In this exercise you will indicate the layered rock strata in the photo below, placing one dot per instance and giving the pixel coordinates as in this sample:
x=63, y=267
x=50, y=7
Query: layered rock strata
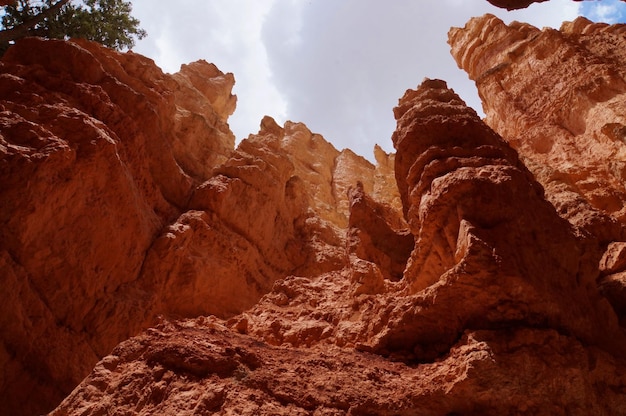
x=558, y=97
x=562, y=116
x=91, y=173
x=477, y=270
x=480, y=321
x=464, y=187
x=123, y=199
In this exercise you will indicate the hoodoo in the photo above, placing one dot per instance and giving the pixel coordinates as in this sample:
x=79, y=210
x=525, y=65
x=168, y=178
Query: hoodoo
x=150, y=266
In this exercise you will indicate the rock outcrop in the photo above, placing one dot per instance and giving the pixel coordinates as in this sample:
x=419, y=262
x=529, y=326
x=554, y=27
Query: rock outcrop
x=479, y=270
x=480, y=320
x=123, y=199
x=464, y=186
x=201, y=367
x=93, y=169
x=565, y=123
x=565, y=116
x=517, y=4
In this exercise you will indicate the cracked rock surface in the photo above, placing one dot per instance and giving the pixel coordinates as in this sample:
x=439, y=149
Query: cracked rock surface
x=149, y=266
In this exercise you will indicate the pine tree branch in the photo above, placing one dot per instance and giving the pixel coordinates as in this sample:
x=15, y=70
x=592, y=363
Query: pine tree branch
x=23, y=29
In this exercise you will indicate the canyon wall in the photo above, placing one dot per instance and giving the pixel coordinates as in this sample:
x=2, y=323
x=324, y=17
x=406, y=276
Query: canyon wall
x=497, y=310
x=558, y=97
x=124, y=199
x=479, y=270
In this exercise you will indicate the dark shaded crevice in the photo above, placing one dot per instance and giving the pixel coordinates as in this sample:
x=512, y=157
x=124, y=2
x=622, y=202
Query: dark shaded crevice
x=430, y=352
x=376, y=234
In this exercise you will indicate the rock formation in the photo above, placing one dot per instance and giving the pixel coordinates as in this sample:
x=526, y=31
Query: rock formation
x=479, y=270
x=123, y=198
x=565, y=117
x=515, y=4
x=92, y=172
x=480, y=321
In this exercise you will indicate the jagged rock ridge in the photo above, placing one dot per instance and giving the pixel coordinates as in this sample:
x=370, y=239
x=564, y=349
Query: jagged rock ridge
x=469, y=311
x=124, y=199
x=458, y=276
x=565, y=117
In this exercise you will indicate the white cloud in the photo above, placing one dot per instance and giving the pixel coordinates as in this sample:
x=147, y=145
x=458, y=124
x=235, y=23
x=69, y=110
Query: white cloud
x=608, y=11
x=337, y=65
x=355, y=58
x=224, y=32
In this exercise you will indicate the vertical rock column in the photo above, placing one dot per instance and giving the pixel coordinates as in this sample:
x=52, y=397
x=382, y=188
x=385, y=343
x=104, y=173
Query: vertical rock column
x=490, y=251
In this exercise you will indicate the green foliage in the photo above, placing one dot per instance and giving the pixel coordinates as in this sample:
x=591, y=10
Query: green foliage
x=108, y=22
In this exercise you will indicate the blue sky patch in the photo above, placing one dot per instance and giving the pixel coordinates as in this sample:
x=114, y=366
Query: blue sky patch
x=607, y=11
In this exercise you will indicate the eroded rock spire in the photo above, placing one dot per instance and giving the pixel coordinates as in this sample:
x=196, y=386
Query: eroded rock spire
x=485, y=235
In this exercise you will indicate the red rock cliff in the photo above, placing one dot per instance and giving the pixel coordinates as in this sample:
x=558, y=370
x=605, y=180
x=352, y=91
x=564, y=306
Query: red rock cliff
x=469, y=314
x=93, y=167
x=479, y=270
x=565, y=116
x=123, y=198
x=474, y=324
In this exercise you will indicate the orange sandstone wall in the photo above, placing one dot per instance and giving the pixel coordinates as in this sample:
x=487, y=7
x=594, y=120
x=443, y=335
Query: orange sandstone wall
x=123, y=198
x=479, y=270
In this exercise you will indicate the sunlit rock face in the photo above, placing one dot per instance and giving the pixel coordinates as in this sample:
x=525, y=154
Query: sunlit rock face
x=92, y=170
x=124, y=198
x=471, y=272
x=497, y=303
x=558, y=97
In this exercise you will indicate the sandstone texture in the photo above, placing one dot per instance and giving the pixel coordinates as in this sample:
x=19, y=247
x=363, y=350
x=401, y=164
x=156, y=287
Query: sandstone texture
x=481, y=269
x=92, y=172
x=479, y=320
x=201, y=367
x=123, y=198
x=565, y=116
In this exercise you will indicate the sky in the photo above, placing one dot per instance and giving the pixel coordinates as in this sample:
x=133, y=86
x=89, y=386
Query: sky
x=339, y=66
